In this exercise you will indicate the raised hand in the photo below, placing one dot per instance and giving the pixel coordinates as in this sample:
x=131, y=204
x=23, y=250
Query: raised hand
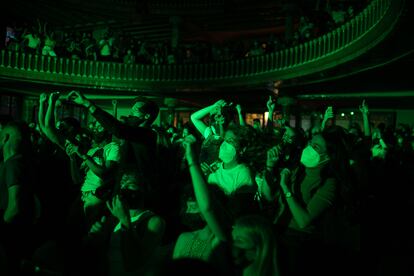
x=238, y=108
x=78, y=98
x=284, y=177
x=270, y=105
x=272, y=157
x=70, y=149
x=328, y=113
x=53, y=97
x=218, y=106
x=189, y=140
x=119, y=210
x=364, y=108
x=43, y=98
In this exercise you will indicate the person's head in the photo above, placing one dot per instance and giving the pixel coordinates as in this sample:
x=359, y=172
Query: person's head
x=328, y=146
x=315, y=153
x=99, y=134
x=69, y=128
x=131, y=190
x=257, y=124
x=289, y=135
x=222, y=116
x=15, y=138
x=254, y=244
x=236, y=141
x=354, y=132
x=143, y=112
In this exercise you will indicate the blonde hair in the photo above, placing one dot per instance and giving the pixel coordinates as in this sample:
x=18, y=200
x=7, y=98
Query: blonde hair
x=259, y=230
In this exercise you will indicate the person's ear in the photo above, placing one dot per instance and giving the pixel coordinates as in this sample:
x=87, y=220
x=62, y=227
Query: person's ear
x=147, y=116
x=5, y=138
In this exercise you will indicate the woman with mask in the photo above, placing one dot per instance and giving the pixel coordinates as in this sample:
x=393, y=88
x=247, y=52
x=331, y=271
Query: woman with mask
x=306, y=195
x=232, y=174
x=244, y=244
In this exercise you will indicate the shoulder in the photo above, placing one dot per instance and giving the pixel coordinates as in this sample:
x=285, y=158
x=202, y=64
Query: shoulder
x=156, y=224
x=112, y=146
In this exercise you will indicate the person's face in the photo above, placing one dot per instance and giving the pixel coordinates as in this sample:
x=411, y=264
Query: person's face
x=231, y=138
x=288, y=136
x=136, y=110
x=257, y=125
x=185, y=132
x=129, y=182
x=243, y=247
x=319, y=144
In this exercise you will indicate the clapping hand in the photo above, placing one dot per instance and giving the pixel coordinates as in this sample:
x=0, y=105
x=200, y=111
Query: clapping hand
x=272, y=157
x=284, y=178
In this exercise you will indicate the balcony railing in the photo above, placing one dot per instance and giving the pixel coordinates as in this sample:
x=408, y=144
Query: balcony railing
x=317, y=54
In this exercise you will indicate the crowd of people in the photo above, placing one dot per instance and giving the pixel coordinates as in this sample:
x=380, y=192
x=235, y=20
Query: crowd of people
x=118, y=46
x=124, y=197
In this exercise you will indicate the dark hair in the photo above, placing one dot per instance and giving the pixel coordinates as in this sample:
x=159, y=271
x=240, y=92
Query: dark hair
x=150, y=107
x=339, y=166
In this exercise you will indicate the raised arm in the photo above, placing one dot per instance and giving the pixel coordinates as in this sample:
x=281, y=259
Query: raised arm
x=365, y=112
x=50, y=125
x=202, y=194
x=241, y=118
x=109, y=122
x=197, y=117
x=41, y=113
x=270, y=109
x=327, y=116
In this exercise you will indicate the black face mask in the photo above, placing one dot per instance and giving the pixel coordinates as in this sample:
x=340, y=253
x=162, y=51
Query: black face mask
x=132, y=199
x=133, y=121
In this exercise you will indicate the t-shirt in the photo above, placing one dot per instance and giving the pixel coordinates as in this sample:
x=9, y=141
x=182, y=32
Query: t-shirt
x=230, y=180
x=316, y=196
x=33, y=41
x=105, y=47
x=110, y=152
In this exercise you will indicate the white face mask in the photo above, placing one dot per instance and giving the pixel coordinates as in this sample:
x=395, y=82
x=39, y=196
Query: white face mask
x=310, y=157
x=227, y=152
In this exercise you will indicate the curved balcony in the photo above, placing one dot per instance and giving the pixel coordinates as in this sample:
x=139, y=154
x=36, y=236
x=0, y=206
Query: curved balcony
x=339, y=46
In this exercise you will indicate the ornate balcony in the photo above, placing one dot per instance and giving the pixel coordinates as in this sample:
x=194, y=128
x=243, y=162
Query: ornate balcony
x=343, y=44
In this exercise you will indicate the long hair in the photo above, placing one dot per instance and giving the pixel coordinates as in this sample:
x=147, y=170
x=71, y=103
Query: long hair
x=339, y=166
x=252, y=147
x=259, y=230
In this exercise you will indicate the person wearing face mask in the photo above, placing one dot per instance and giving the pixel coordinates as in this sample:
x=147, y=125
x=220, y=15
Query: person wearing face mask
x=243, y=244
x=232, y=174
x=307, y=195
